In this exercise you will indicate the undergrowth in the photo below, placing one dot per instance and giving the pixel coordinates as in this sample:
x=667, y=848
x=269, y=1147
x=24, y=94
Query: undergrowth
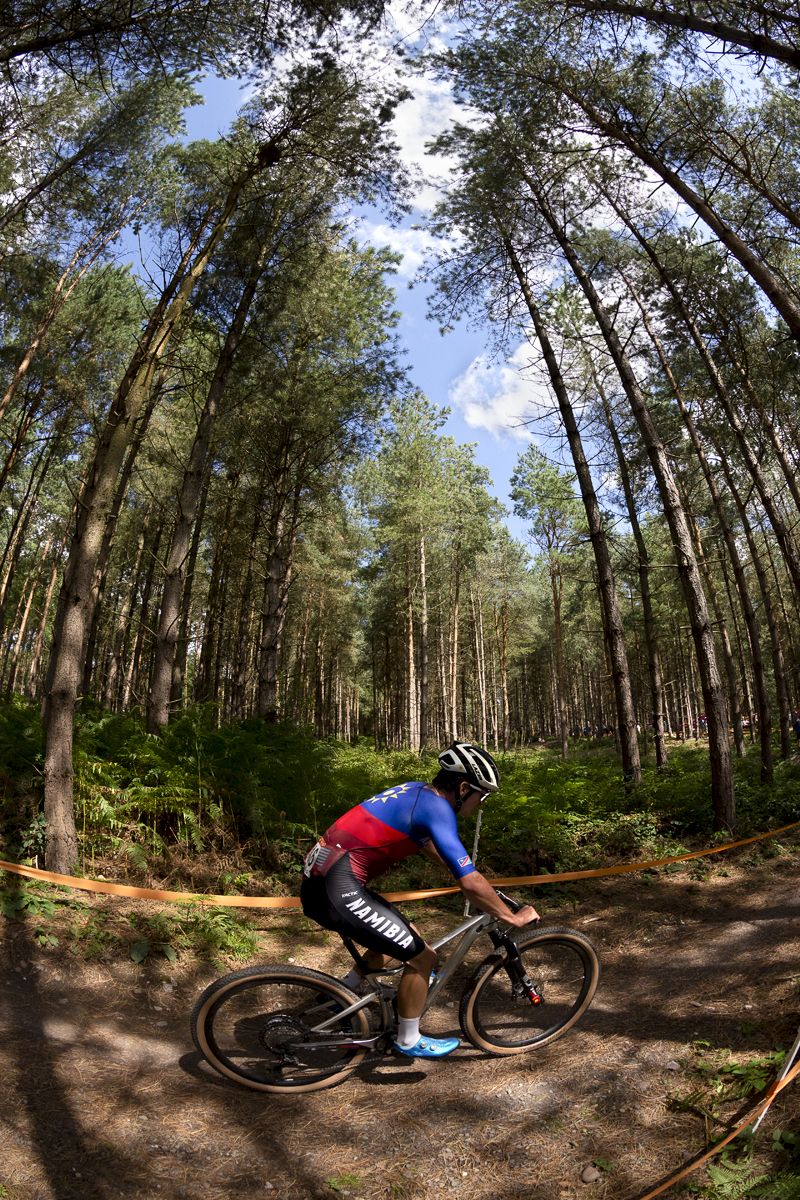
x=254, y=796
x=58, y=917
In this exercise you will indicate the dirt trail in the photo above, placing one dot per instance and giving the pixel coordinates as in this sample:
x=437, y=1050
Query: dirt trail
x=102, y=1094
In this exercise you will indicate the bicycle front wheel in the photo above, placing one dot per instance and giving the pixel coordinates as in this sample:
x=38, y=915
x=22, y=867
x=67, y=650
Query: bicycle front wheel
x=261, y=1027
x=564, y=968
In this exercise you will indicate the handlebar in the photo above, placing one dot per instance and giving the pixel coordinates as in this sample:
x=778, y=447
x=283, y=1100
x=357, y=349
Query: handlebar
x=513, y=904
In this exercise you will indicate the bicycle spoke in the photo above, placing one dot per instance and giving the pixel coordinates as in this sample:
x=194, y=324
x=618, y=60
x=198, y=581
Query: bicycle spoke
x=497, y=1014
x=264, y=1029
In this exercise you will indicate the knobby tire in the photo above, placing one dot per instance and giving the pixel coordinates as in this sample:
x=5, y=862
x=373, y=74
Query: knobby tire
x=563, y=966
x=244, y=1021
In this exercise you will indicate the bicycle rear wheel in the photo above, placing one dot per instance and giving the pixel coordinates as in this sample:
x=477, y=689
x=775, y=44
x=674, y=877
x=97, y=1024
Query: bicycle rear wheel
x=564, y=968
x=260, y=1027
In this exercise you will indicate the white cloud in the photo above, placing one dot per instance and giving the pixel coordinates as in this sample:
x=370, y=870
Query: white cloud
x=418, y=121
x=413, y=244
x=500, y=398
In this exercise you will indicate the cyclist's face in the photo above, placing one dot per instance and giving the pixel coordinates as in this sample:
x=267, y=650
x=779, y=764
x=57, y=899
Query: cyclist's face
x=472, y=798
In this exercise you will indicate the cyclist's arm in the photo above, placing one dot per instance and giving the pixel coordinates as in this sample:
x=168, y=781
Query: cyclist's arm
x=480, y=892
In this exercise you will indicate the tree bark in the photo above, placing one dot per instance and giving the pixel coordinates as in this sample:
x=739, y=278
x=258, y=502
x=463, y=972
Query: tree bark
x=282, y=539
x=778, y=668
x=713, y=691
x=175, y=570
x=612, y=617
x=423, y=648
x=61, y=837
x=748, y=611
x=769, y=284
x=785, y=540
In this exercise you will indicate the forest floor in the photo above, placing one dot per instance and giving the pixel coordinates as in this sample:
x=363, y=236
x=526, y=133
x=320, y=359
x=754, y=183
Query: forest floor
x=102, y=1094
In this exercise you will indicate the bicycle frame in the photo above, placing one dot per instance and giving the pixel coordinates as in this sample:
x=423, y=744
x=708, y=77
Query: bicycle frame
x=469, y=931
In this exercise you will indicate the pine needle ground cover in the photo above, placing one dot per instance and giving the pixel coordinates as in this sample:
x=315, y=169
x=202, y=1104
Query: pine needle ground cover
x=101, y=1093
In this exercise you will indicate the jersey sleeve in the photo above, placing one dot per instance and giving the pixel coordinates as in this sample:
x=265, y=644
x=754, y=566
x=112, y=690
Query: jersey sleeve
x=435, y=821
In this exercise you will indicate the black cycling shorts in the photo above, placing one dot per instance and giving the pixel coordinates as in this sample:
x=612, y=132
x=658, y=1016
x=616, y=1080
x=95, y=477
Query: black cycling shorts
x=338, y=901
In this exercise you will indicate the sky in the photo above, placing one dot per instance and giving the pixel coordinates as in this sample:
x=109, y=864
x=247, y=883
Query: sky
x=489, y=401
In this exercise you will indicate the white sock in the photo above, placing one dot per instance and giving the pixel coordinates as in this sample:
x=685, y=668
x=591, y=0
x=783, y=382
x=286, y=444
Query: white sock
x=353, y=979
x=407, y=1032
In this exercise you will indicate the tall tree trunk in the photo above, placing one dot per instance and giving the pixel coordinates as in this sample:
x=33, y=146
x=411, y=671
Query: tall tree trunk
x=93, y=248
x=748, y=611
x=781, y=457
x=411, y=666
x=778, y=669
x=188, y=501
x=246, y=615
x=123, y=616
x=655, y=673
x=282, y=539
x=95, y=602
x=785, y=540
x=36, y=659
x=22, y=520
x=769, y=283
x=178, y=684
x=727, y=653
x=24, y=624
x=423, y=648
x=61, y=837
x=612, y=618
x=713, y=690
x=559, y=699
x=456, y=584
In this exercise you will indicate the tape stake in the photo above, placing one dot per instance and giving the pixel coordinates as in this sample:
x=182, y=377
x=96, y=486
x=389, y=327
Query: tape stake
x=759, y=1111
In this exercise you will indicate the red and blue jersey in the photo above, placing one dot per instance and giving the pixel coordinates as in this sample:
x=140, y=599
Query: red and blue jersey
x=388, y=828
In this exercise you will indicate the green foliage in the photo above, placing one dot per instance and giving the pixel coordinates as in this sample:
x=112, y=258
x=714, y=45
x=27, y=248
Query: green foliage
x=734, y=1081
x=277, y=788
x=340, y=1182
x=787, y=1142
x=20, y=902
x=140, y=950
x=731, y=1180
x=210, y=932
x=263, y=775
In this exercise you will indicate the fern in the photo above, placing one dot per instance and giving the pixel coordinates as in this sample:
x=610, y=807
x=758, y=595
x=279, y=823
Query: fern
x=732, y=1180
x=137, y=855
x=784, y=1186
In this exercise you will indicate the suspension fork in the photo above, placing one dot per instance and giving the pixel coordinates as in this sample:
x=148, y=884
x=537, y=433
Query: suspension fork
x=521, y=983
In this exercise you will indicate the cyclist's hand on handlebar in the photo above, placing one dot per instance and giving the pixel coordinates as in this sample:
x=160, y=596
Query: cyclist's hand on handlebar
x=523, y=916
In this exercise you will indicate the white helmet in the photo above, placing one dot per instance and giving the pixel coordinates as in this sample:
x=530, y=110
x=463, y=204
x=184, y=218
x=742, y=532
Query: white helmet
x=476, y=765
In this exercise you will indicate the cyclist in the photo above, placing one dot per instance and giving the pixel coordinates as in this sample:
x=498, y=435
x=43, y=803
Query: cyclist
x=370, y=839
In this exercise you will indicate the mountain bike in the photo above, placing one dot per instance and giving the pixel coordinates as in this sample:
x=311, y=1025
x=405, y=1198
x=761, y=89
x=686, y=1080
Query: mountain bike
x=293, y=1029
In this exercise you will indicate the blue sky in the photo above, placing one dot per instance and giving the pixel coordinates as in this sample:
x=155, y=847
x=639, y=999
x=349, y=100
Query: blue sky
x=487, y=400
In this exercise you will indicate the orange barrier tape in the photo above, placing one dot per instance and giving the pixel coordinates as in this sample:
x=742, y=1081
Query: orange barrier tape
x=120, y=889
x=772, y=1092
x=137, y=893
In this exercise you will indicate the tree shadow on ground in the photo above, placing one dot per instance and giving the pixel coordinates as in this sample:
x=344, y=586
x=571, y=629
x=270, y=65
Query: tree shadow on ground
x=103, y=1096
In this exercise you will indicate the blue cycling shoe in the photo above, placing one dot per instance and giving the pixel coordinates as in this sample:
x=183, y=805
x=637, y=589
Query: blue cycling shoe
x=428, y=1047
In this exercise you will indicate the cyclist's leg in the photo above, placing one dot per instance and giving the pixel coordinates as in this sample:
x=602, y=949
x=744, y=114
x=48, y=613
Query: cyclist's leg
x=361, y=914
x=411, y=993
